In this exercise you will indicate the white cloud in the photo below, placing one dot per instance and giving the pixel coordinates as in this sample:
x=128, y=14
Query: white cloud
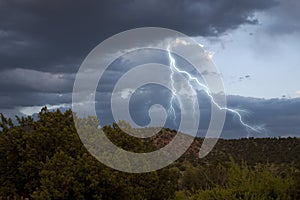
x=126, y=93
x=30, y=110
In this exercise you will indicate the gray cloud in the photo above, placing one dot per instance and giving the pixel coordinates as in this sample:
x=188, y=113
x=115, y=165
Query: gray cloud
x=279, y=117
x=24, y=80
x=56, y=35
x=284, y=18
x=24, y=99
x=44, y=42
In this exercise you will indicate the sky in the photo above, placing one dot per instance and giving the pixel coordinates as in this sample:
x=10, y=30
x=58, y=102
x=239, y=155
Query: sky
x=255, y=45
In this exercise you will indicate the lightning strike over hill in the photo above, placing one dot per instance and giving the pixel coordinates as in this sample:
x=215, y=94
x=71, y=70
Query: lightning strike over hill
x=174, y=68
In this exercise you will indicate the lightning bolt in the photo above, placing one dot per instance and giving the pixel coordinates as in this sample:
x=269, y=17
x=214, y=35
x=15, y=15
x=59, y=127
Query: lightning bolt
x=174, y=92
x=236, y=112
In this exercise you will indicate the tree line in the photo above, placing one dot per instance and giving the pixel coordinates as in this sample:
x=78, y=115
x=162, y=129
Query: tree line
x=45, y=159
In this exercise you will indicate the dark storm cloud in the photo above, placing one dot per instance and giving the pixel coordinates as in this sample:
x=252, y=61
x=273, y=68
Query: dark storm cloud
x=56, y=35
x=24, y=80
x=280, y=117
x=27, y=99
x=42, y=44
x=284, y=18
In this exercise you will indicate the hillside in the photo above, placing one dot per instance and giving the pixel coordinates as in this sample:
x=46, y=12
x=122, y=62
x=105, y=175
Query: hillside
x=45, y=159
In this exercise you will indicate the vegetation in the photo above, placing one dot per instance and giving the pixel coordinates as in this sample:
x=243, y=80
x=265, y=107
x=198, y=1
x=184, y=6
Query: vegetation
x=45, y=159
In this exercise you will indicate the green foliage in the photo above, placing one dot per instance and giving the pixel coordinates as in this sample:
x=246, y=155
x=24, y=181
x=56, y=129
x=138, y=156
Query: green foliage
x=45, y=159
x=244, y=183
x=202, y=177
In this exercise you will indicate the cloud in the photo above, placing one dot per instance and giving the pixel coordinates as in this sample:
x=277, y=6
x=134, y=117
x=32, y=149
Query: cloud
x=278, y=116
x=30, y=110
x=125, y=94
x=242, y=78
x=9, y=100
x=298, y=92
x=55, y=36
x=283, y=18
x=44, y=42
x=22, y=80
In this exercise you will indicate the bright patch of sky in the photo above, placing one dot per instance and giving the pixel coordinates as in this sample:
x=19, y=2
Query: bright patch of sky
x=30, y=110
x=254, y=62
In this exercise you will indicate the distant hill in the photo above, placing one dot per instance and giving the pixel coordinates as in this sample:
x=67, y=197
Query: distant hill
x=284, y=151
